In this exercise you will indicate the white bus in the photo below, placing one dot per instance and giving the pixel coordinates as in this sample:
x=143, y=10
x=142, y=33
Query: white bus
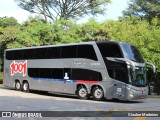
x=111, y=70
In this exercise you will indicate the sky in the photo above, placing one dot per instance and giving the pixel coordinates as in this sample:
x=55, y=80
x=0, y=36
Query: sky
x=9, y=8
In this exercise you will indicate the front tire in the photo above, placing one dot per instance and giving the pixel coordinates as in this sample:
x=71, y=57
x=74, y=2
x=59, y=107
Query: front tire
x=18, y=86
x=97, y=94
x=26, y=87
x=82, y=93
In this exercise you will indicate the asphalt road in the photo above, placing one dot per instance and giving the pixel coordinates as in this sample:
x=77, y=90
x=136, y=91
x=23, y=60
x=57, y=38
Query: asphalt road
x=12, y=100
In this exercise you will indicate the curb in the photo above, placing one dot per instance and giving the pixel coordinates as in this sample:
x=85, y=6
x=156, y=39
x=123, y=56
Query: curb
x=153, y=96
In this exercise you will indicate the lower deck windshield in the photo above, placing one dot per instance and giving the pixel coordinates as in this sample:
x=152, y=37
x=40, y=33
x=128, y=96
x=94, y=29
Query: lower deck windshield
x=138, y=78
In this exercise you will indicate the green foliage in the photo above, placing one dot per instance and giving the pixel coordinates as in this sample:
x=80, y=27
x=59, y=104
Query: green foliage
x=35, y=32
x=1, y=76
x=65, y=32
x=139, y=33
x=5, y=21
x=8, y=31
x=91, y=31
x=147, y=9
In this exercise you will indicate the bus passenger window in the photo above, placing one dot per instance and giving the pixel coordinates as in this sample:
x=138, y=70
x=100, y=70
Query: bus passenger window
x=57, y=73
x=117, y=71
x=69, y=52
x=18, y=55
x=33, y=72
x=28, y=54
x=45, y=72
x=40, y=53
x=86, y=51
x=9, y=55
x=84, y=74
x=53, y=52
x=110, y=50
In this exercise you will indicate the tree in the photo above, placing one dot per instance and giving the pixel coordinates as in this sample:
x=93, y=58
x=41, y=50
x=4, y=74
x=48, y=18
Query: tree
x=66, y=9
x=65, y=31
x=147, y=9
x=34, y=32
x=8, y=21
x=8, y=27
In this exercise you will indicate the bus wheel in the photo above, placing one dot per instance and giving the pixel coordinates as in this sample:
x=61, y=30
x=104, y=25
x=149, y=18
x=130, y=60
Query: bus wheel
x=18, y=86
x=26, y=87
x=97, y=93
x=82, y=93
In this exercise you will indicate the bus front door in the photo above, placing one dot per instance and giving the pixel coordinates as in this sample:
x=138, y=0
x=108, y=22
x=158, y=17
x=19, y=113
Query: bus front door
x=119, y=90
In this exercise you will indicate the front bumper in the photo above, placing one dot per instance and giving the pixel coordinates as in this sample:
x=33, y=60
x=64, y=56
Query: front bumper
x=137, y=94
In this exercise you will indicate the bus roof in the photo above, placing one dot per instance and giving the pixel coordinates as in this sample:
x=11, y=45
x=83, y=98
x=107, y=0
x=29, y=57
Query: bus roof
x=70, y=44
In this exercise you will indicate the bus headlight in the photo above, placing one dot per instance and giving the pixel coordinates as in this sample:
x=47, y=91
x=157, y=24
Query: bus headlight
x=130, y=95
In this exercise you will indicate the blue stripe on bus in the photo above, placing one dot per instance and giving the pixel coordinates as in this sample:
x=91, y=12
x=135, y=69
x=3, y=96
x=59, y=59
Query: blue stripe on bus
x=70, y=81
x=51, y=79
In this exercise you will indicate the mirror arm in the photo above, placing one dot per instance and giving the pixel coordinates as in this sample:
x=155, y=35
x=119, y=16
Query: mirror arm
x=153, y=66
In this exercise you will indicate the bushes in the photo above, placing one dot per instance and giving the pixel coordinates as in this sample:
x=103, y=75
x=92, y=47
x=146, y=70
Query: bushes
x=34, y=32
x=1, y=77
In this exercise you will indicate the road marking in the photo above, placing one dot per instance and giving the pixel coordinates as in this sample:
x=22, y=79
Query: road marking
x=139, y=118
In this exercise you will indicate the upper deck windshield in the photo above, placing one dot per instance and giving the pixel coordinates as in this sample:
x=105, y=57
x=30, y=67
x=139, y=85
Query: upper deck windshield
x=132, y=53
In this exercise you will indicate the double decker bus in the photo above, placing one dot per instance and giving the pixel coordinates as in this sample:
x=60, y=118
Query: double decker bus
x=108, y=69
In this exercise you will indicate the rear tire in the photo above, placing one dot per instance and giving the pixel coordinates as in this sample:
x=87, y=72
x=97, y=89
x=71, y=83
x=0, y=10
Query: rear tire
x=18, y=86
x=97, y=94
x=82, y=93
x=26, y=87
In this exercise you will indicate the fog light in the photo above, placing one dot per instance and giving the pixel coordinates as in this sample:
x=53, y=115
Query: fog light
x=130, y=95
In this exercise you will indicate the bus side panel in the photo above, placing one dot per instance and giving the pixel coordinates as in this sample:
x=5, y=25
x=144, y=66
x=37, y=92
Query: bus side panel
x=40, y=84
x=8, y=80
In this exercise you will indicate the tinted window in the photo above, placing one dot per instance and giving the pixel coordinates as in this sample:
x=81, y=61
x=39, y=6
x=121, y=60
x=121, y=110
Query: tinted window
x=59, y=73
x=86, y=51
x=80, y=51
x=69, y=52
x=53, y=52
x=117, y=71
x=18, y=54
x=69, y=73
x=14, y=55
x=83, y=74
x=110, y=50
x=9, y=55
x=56, y=73
x=28, y=54
x=132, y=53
x=45, y=72
x=40, y=53
x=33, y=72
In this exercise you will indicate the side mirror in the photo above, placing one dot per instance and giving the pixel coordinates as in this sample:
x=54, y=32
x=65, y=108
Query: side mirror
x=152, y=65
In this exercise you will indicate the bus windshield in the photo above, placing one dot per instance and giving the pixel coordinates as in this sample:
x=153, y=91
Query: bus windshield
x=138, y=78
x=132, y=53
